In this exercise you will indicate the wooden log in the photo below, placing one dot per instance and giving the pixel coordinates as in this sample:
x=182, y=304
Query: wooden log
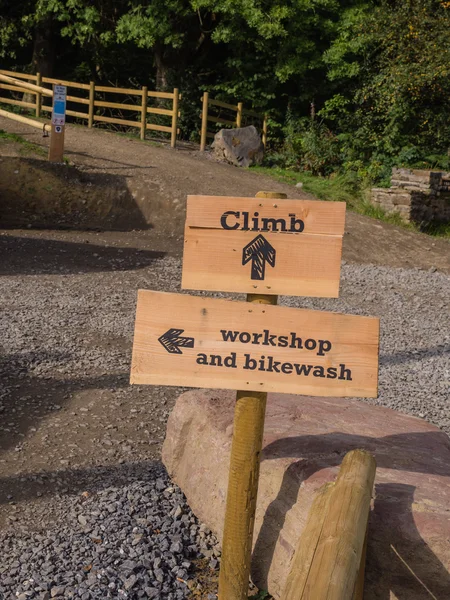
x=118, y=90
x=144, y=111
x=91, y=104
x=25, y=86
x=17, y=102
x=154, y=127
x=304, y=553
x=38, y=95
x=173, y=137
x=26, y=120
x=77, y=99
x=264, y=132
x=335, y=536
x=168, y=95
x=12, y=88
x=73, y=84
x=248, y=430
x=103, y=104
x=18, y=75
x=75, y=113
x=239, y=114
x=160, y=111
x=223, y=104
x=222, y=121
x=117, y=121
x=203, y=132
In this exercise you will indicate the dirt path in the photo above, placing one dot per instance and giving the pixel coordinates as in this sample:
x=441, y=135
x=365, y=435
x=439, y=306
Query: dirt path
x=67, y=303
x=160, y=178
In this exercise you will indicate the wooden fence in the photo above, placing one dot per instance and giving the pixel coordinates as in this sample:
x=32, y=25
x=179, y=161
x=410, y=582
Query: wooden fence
x=238, y=113
x=91, y=97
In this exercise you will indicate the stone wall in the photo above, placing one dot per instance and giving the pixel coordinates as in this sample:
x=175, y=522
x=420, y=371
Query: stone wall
x=418, y=196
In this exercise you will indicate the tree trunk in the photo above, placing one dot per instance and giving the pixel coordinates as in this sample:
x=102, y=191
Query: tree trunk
x=161, y=69
x=44, y=48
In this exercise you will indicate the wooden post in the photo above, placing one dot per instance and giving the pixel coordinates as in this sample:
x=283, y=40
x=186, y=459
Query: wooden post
x=264, y=132
x=239, y=114
x=204, y=122
x=248, y=430
x=38, y=95
x=56, y=148
x=91, y=104
x=173, y=138
x=144, y=111
x=329, y=561
x=358, y=594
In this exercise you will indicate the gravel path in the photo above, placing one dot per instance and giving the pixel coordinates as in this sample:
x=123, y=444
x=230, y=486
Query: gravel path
x=136, y=541
x=76, y=438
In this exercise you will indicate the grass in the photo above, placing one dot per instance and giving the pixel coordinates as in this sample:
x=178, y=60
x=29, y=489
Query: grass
x=340, y=188
x=25, y=146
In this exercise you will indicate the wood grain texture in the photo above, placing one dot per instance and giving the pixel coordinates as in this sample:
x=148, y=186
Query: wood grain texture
x=304, y=262
x=354, y=344
x=329, y=558
x=327, y=218
x=306, y=265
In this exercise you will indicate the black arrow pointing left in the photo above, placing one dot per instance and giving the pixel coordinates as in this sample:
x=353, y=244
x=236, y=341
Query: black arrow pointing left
x=173, y=341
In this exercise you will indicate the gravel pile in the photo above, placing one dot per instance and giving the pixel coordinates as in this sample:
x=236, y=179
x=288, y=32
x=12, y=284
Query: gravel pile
x=137, y=541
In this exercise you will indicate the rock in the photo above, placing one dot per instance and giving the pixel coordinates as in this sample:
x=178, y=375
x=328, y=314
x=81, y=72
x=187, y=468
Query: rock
x=241, y=146
x=304, y=443
x=299, y=185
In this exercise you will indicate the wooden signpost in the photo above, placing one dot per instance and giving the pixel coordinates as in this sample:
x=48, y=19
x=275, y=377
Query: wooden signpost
x=261, y=246
x=56, y=148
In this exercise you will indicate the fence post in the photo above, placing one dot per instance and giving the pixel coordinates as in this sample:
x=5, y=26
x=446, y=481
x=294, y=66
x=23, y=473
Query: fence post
x=248, y=429
x=204, y=122
x=91, y=103
x=239, y=114
x=264, y=132
x=38, y=95
x=173, y=139
x=144, y=111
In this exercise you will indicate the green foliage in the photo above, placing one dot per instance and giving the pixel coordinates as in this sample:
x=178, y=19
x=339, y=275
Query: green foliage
x=393, y=61
x=308, y=145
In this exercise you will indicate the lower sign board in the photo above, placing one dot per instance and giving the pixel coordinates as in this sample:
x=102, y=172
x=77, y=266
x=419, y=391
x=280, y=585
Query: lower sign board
x=205, y=342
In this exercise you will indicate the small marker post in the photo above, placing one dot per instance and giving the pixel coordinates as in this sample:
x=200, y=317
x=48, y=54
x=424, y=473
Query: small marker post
x=248, y=430
x=56, y=148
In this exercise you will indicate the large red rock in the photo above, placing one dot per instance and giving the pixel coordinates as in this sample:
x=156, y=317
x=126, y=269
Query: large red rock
x=304, y=443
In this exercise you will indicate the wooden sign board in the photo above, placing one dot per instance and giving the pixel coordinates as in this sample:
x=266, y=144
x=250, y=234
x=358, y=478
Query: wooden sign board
x=210, y=343
x=263, y=246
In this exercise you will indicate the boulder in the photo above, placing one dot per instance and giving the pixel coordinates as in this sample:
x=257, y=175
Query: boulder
x=304, y=443
x=241, y=146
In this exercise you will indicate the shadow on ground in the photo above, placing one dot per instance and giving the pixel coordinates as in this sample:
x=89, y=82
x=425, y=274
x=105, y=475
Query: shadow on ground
x=36, y=193
x=34, y=256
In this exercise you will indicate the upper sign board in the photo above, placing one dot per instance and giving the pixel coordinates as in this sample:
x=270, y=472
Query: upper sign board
x=59, y=105
x=205, y=342
x=263, y=246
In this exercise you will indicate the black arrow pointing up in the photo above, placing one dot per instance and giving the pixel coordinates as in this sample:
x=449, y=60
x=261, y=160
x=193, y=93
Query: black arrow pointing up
x=172, y=341
x=259, y=251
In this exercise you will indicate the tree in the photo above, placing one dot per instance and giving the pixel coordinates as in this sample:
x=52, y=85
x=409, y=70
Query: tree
x=392, y=67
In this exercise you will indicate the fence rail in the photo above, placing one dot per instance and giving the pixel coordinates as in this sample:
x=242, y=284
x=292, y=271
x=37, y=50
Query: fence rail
x=97, y=98
x=241, y=113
